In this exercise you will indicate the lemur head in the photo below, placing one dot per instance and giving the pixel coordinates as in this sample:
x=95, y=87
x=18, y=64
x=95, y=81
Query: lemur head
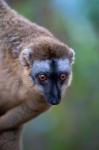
x=50, y=62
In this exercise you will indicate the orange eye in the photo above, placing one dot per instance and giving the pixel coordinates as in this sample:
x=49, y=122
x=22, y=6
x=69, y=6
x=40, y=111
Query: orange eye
x=42, y=77
x=63, y=77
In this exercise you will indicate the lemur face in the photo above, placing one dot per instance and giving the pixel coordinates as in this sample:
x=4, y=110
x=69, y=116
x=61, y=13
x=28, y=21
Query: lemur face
x=51, y=76
x=51, y=68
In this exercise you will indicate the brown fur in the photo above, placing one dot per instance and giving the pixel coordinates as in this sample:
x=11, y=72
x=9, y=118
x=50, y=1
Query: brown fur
x=19, y=99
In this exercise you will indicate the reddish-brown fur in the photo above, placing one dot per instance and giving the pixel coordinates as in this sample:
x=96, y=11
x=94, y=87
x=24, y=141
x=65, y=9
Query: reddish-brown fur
x=19, y=99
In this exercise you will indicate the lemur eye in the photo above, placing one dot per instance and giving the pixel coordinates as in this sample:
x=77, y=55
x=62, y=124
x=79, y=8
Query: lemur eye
x=63, y=76
x=42, y=77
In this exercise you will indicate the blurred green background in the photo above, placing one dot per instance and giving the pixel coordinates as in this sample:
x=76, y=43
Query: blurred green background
x=74, y=124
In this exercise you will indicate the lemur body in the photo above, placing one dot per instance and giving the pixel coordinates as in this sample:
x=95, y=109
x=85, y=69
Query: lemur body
x=34, y=69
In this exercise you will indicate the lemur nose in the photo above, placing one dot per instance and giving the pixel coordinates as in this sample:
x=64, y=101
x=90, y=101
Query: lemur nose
x=54, y=101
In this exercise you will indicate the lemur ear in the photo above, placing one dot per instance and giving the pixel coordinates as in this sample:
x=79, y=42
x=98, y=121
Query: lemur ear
x=26, y=57
x=71, y=55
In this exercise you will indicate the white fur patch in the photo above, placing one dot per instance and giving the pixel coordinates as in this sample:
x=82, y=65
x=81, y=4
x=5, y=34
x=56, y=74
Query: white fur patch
x=73, y=55
x=44, y=65
x=63, y=65
x=41, y=66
